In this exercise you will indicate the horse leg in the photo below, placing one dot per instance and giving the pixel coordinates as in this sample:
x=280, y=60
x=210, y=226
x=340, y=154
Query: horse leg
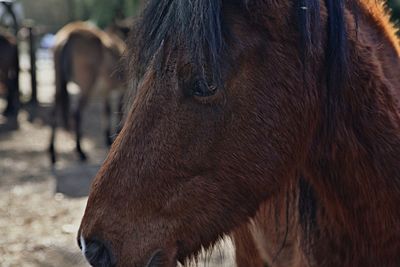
x=108, y=118
x=61, y=102
x=61, y=105
x=12, y=98
x=78, y=124
x=246, y=250
x=12, y=84
x=53, y=134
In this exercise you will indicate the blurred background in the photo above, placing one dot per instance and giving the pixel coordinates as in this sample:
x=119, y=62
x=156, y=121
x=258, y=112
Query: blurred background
x=41, y=203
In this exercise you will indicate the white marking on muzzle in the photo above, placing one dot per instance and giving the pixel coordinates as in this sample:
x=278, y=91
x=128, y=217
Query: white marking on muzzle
x=83, y=245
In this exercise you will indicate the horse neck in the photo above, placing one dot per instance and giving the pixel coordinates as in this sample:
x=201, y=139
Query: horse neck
x=355, y=170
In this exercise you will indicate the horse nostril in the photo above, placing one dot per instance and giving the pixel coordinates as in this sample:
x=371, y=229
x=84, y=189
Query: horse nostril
x=98, y=254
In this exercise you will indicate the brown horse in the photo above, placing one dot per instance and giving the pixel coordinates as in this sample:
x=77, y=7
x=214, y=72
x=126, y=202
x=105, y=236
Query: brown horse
x=9, y=72
x=277, y=122
x=89, y=57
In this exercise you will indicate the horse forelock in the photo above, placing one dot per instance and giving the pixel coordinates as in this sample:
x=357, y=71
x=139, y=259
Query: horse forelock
x=195, y=25
x=198, y=25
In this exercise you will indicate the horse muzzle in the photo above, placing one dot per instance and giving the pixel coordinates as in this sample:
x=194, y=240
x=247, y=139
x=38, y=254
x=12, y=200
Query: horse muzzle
x=97, y=253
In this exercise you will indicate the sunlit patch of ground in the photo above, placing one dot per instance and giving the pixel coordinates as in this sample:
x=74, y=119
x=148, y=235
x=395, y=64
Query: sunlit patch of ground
x=38, y=227
x=38, y=224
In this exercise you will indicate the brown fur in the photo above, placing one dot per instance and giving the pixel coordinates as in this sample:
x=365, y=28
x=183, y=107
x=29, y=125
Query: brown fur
x=186, y=170
x=89, y=57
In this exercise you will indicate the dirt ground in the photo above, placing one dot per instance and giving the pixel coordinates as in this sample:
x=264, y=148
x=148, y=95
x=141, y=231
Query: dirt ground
x=41, y=206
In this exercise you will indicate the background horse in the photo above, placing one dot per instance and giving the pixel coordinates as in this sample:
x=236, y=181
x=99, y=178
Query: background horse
x=89, y=57
x=249, y=116
x=9, y=72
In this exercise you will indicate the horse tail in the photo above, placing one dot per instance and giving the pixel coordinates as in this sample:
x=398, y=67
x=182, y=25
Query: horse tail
x=62, y=66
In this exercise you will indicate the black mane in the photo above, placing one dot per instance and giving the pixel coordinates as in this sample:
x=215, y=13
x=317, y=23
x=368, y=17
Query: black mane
x=336, y=65
x=198, y=26
x=195, y=25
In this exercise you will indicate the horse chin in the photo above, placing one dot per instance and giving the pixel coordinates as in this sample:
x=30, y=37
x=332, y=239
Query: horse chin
x=171, y=257
x=161, y=258
x=189, y=252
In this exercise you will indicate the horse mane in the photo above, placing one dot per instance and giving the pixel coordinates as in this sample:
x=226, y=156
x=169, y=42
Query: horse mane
x=380, y=14
x=199, y=27
x=195, y=25
x=337, y=52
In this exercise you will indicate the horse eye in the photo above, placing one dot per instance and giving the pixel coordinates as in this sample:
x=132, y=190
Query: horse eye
x=203, y=89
